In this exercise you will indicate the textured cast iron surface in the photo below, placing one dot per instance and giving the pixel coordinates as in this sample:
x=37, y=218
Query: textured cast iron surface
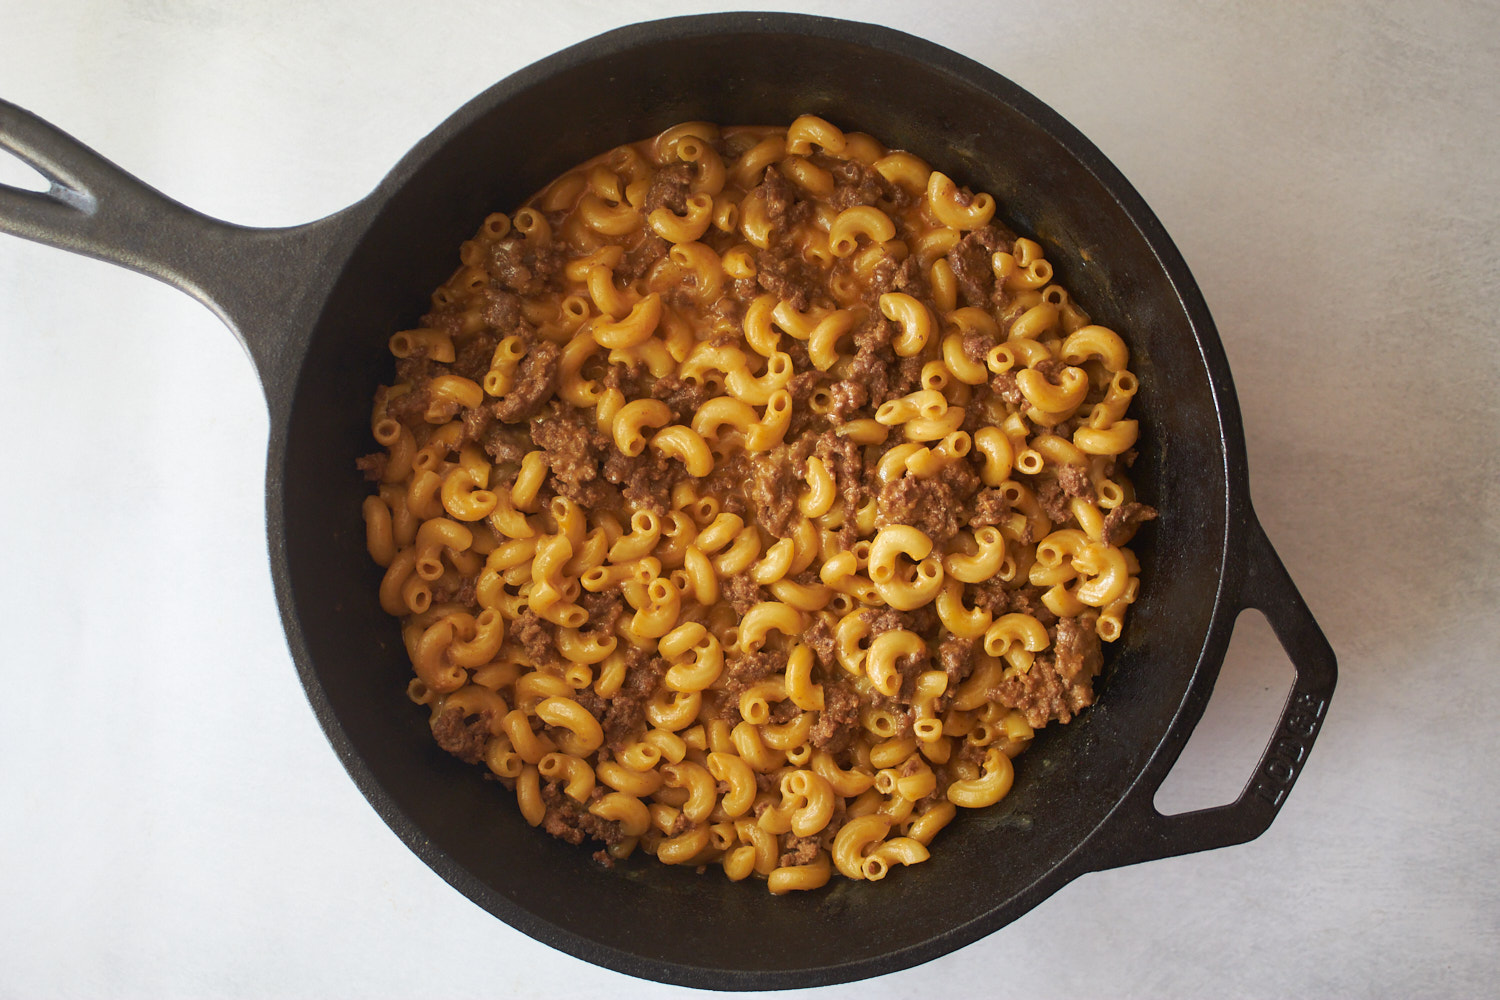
x=314, y=306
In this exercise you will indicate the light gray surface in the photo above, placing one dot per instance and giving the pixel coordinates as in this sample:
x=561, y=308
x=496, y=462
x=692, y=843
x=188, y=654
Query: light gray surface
x=172, y=822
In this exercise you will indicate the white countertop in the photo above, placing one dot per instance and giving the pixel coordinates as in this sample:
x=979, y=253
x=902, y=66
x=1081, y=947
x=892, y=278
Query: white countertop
x=172, y=821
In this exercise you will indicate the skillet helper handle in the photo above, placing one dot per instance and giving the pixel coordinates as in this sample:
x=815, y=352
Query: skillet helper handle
x=252, y=278
x=1143, y=833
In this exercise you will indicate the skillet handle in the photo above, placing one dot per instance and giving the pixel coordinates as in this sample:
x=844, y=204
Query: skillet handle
x=1140, y=833
x=253, y=279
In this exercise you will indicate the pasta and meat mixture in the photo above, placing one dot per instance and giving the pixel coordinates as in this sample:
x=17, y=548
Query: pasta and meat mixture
x=750, y=497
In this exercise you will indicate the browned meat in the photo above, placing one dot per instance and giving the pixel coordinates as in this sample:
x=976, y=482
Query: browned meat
x=994, y=597
x=417, y=367
x=729, y=309
x=780, y=195
x=838, y=722
x=890, y=276
x=819, y=638
x=632, y=380
x=641, y=259
x=957, y=658
x=507, y=267
x=962, y=482
x=846, y=461
x=474, y=357
x=463, y=737
x=874, y=334
x=1044, y=693
x=750, y=669
x=872, y=369
x=500, y=442
x=535, y=383
x=783, y=712
x=573, y=822
x=741, y=592
x=925, y=504
x=797, y=850
x=625, y=715
x=977, y=345
x=537, y=636
x=883, y=620
x=502, y=310
x=409, y=407
x=683, y=398
x=971, y=266
x=990, y=507
x=573, y=448
x=773, y=491
x=605, y=609
x=1049, y=368
x=477, y=422
x=1077, y=647
x=1053, y=500
x=856, y=184
x=669, y=189
x=591, y=702
x=744, y=289
x=911, y=279
x=524, y=268
x=448, y=319
x=780, y=270
x=1028, y=601
x=1120, y=524
x=1007, y=388
x=373, y=465
x=1074, y=480
x=645, y=479
x=849, y=398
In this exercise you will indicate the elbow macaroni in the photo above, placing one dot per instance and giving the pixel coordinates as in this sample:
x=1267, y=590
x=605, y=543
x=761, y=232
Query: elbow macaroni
x=728, y=521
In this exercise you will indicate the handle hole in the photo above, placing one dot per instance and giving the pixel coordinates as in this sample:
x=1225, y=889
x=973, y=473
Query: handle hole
x=17, y=173
x=1221, y=755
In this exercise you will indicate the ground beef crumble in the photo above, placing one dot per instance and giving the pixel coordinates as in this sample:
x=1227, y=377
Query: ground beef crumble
x=1120, y=523
x=571, y=821
x=535, y=383
x=1059, y=684
x=463, y=737
x=741, y=592
x=669, y=189
x=927, y=504
x=536, y=636
x=772, y=491
x=373, y=465
x=573, y=448
x=750, y=669
x=819, y=638
x=797, y=850
x=625, y=715
x=990, y=507
x=645, y=480
x=957, y=658
x=683, y=398
x=838, y=721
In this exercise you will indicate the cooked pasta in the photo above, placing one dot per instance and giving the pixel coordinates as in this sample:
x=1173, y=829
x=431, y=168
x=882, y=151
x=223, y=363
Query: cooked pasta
x=750, y=497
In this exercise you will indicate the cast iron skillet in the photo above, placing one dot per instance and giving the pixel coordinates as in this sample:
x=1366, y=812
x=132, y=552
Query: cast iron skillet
x=314, y=304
